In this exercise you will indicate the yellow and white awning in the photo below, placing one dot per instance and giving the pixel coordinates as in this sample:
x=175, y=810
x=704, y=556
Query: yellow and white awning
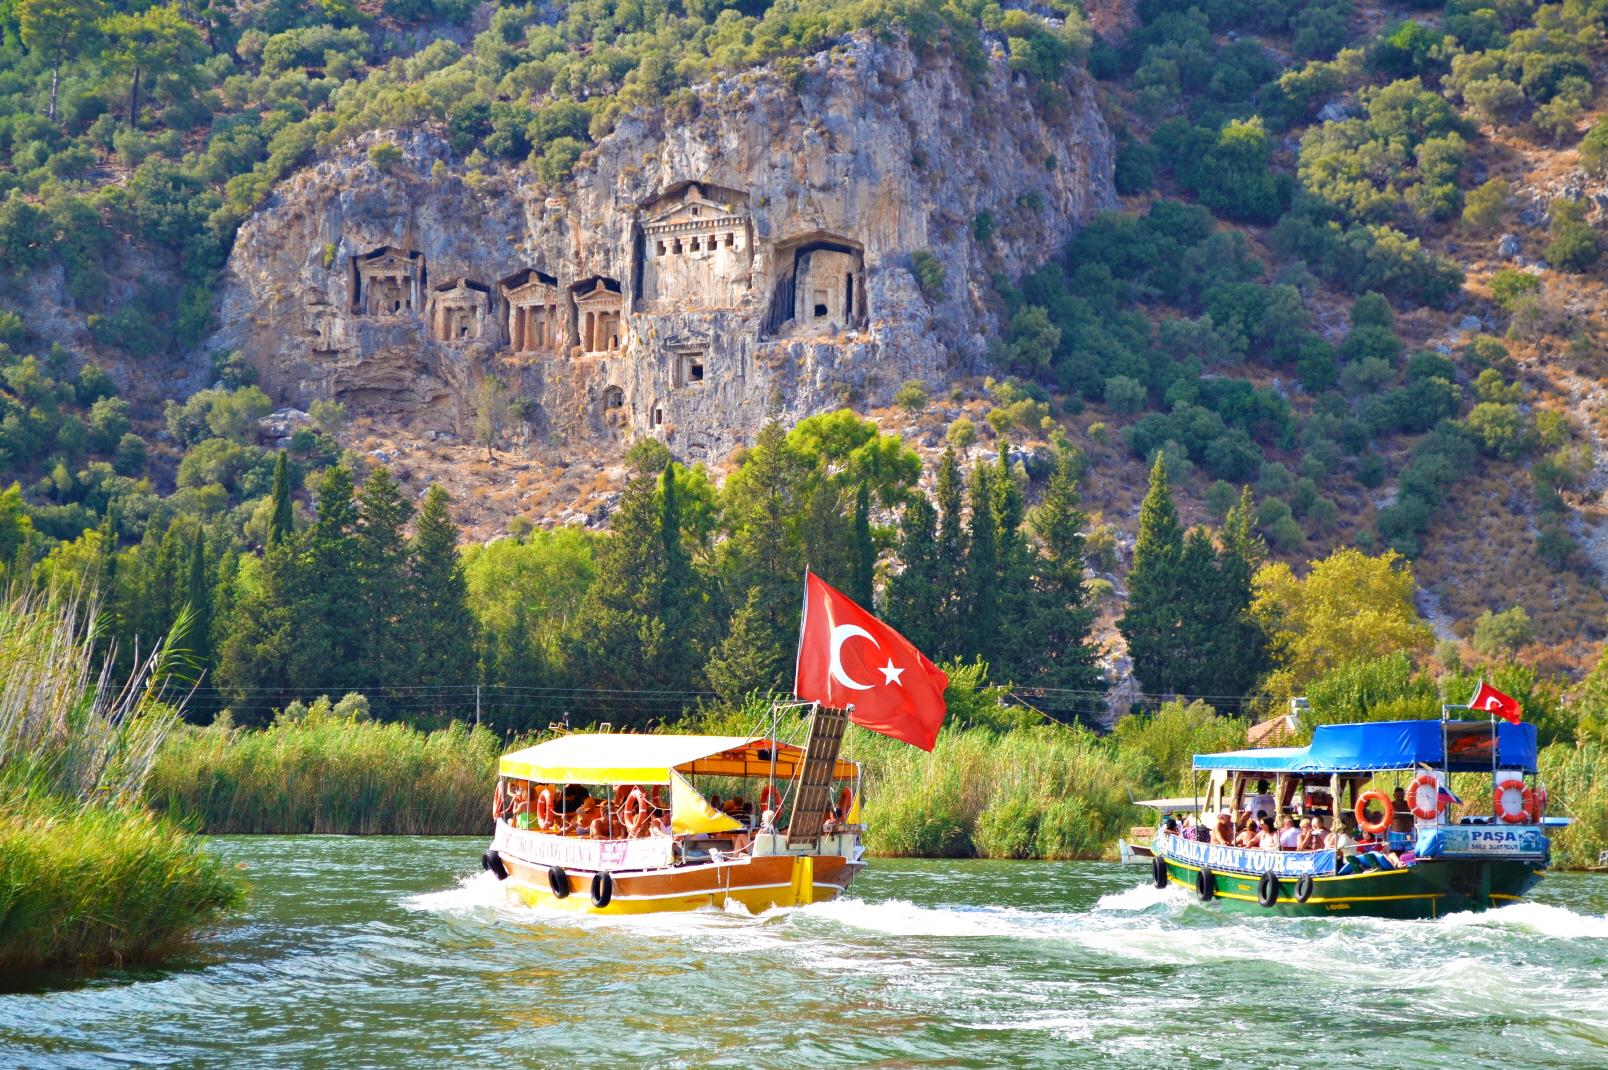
x=627, y=758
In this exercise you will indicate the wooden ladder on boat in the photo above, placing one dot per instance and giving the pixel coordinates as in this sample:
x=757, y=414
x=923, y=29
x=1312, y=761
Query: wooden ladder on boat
x=814, y=791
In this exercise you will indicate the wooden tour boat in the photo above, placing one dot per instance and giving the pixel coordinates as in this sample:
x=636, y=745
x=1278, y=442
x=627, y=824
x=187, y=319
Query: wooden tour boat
x=1440, y=864
x=688, y=854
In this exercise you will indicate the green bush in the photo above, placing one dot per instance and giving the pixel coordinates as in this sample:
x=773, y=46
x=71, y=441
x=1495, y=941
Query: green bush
x=929, y=274
x=912, y=396
x=1575, y=245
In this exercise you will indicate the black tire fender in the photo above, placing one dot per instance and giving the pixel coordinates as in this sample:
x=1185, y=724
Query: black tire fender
x=558, y=881
x=1158, y=871
x=492, y=862
x=1206, y=885
x=1268, y=889
x=1303, y=888
x=602, y=889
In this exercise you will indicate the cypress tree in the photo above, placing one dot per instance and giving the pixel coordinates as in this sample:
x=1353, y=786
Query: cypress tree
x=1015, y=652
x=1152, y=623
x=863, y=550
x=389, y=638
x=254, y=658
x=329, y=644
x=915, y=599
x=682, y=596
x=441, y=650
x=1239, y=654
x=282, y=519
x=949, y=559
x=1062, y=618
x=980, y=612
x=198, y=595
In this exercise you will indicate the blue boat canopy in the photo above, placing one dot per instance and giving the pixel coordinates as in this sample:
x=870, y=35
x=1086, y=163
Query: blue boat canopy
x=1378, y=745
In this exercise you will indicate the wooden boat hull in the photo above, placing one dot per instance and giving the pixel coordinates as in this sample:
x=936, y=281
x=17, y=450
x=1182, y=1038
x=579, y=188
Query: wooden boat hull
x=757, y=884
x=1428, y=889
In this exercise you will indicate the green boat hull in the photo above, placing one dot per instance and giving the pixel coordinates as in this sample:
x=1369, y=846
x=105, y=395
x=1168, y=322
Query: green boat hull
x=1426, y=890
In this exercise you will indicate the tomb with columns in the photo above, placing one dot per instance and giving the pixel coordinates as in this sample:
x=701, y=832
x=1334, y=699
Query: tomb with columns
x=458, y=311
x=695, y=251
x=535, y=320
x=599, y=320
x=388, y=282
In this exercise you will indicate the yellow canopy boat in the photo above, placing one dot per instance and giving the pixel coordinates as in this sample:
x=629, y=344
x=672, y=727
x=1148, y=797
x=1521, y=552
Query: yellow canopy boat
x=649, y=841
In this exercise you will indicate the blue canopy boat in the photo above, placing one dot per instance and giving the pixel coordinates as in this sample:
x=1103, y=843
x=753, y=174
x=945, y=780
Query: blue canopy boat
x=1414, y=858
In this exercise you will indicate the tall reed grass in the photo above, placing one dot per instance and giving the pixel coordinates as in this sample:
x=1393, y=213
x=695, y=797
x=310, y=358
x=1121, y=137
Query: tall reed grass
x=1577, y=784
x=86, y=873
x=329, y=774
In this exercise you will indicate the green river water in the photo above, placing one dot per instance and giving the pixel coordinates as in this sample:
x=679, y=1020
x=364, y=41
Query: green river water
x=397, y=952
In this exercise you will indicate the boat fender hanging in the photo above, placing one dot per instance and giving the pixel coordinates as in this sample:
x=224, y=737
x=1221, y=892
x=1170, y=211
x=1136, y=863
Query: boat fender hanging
x=492, y=862
x=1267, y=889
x=558, y=881
x=1527, y=807
x=1303, y=888
x=602, y=889
x=1361, y=812
x=1158, y=871
x=1206, y=885
x=1425, y=809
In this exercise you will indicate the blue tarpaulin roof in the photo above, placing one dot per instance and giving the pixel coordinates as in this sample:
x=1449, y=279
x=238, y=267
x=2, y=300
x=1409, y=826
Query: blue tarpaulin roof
x=1359, y=748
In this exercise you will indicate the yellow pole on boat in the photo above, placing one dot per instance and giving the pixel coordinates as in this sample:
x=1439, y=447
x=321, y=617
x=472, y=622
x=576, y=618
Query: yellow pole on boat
x=803, y=880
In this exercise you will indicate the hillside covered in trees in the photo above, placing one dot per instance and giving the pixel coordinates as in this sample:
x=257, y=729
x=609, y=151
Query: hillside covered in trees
x=1356, y=270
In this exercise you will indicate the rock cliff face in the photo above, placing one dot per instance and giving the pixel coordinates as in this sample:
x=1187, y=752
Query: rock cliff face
x=695, y=276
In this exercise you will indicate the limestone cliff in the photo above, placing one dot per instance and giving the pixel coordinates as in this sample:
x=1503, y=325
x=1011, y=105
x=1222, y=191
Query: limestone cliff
x=696, y=275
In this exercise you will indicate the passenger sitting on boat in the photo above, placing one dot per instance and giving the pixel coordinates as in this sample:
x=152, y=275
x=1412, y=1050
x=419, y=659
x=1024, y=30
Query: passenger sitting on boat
x=1289, y=835
x=1269, y=838
x=1224, y=832
x=833, y=821
x=1340, y=842
x=1311, y=838
x=1169, y=827
x=1248, y=834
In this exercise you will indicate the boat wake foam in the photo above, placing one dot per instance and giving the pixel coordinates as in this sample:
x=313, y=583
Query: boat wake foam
x=479, y=891
x=1540, y=918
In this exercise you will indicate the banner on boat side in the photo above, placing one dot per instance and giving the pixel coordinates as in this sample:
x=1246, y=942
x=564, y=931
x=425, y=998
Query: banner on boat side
x=571, y=852
x=1485, y=841
x=1244, y=860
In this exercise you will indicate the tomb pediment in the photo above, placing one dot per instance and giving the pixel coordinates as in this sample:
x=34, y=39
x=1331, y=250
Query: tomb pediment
x=597, y=292
x=530, y=287
x=690, y=211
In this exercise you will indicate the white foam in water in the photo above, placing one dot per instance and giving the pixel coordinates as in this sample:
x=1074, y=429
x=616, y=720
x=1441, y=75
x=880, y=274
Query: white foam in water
x=1539, y=918
x=476, y=892
x=1144, y=897
x=899, y=917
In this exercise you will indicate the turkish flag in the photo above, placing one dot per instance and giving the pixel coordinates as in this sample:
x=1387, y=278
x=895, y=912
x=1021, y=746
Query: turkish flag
x=1489, y=700
x=849, y=660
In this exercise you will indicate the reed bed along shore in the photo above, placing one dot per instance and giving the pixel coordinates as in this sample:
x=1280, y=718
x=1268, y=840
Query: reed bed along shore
x=329, y=773
x=87, y=874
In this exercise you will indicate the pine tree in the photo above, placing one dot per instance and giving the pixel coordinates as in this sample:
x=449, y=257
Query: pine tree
x=683, y=608
x=915, y=592
x=440, y=629
x=863, y=550
x=329, y=643
x=198, y=596
x=382, y=579
x=1239, y=647
x=979, y=612
x=1062, y=617
x=949, y=560
x=748, y=659
x=282, y=520
x=1152, y=623
x=1014, y=654
x=254, y=659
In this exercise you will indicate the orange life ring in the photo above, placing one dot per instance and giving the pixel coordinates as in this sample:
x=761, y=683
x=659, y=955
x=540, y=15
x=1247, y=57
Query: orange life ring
x=1425, y=782
x=1526, y=811
x=770, y=799
x=845, y=802
x=622, y=793
x=1361, y=812
x=497, y=801
x=544, y=808
x=635, y=804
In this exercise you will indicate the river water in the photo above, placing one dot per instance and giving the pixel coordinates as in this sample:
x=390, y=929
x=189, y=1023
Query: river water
x=397, y=952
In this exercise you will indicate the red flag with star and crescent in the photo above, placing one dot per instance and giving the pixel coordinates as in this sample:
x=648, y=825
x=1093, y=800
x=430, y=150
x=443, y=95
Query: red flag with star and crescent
x=847, y=659
x=1489, y=700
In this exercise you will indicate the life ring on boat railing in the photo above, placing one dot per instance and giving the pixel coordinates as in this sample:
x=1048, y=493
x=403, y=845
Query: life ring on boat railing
x=544, y=808
x=498, y=799
x=558, y=882
x=1303, y=888
x=1499, y=803
x=1426, y=782
x=1267, y=889
x=602, y=889
x=622, y=793
x=1158, y=871
x=1206, y=885
x=492, y=862
x=770, y=799
x=1361, y=812
x=635, y=804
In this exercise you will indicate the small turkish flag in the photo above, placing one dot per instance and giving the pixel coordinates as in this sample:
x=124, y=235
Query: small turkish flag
x=847, y=659
x=1489, y=700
